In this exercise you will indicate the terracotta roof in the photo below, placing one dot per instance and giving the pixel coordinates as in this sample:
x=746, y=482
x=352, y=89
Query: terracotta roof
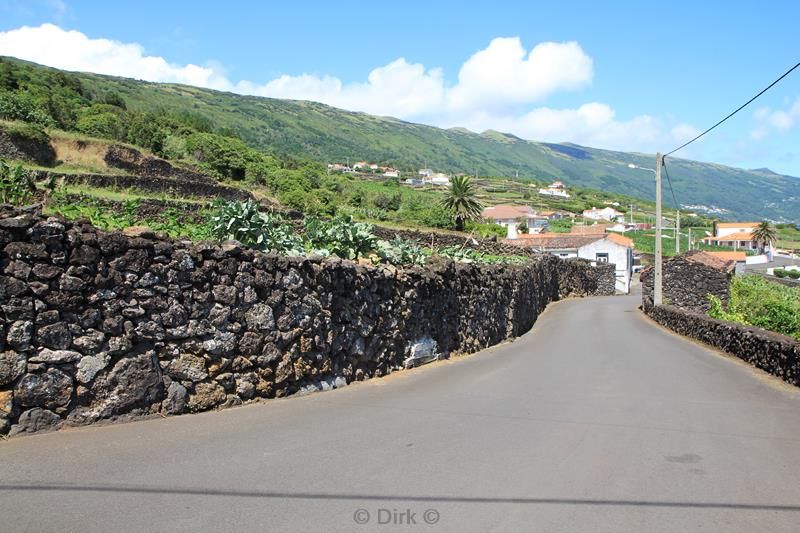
x=590, y=229
x=566, y=241
x=707, y=259
x=507, y=211
x=619, y=239
x=730, y=256
x=737, y=224
x=739, y=236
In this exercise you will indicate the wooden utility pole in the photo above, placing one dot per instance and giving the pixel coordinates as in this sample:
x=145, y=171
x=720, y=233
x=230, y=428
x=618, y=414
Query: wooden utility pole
x=657, y=292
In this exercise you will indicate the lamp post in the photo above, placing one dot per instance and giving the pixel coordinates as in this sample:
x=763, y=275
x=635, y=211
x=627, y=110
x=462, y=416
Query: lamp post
x=657, y=275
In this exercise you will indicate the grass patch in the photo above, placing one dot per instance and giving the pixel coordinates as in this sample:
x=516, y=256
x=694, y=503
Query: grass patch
x=757, y=302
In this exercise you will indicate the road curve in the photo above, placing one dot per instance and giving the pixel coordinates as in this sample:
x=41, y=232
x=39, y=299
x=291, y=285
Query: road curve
x=596, y=420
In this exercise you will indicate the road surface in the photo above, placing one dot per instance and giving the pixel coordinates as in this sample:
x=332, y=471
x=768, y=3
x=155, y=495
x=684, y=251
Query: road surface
x=596, y=420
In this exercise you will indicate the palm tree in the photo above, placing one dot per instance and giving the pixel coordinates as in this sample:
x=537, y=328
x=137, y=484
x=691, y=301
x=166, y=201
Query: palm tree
x=763, y=235
x=460, y=201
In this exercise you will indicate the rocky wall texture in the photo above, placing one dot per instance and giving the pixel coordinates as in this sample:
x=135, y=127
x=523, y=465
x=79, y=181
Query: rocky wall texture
x=688, y=279
x=133, y=161
x=774, y=353
x=104, y=325
x=21, y=147
x=176, y=187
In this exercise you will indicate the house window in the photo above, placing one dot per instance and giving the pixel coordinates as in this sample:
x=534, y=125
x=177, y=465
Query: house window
x=602, y=258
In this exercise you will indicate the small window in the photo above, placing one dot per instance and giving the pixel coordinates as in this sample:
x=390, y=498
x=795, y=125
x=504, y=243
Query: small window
x=602, y=258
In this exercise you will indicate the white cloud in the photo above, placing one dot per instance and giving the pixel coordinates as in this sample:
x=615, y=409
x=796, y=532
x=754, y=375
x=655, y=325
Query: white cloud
x=504, y=74
x=72, y=50
x=399, y=89
x=769, y=120
x=497, y=87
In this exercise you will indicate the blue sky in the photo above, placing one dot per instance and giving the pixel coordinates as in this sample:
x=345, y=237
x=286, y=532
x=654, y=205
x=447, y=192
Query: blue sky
x=622, y=75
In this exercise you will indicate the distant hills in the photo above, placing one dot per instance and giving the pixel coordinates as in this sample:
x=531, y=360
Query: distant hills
x=320, y=132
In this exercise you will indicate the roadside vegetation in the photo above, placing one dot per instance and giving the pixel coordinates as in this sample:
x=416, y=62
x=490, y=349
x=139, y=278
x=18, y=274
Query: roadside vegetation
x=756, y=301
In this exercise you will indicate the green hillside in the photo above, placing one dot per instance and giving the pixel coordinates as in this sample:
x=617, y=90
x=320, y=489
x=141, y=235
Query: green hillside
x=309, y=130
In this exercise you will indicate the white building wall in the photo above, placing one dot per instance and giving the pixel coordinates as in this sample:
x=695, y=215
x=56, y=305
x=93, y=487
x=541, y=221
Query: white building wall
x=621, y=256
x=721, y=232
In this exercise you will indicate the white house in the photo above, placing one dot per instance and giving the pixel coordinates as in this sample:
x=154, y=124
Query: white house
x=425, y=172
x=391, y=173
x=597, y=248
x=438, y=179
x=607, y=213
x=338, y=167
x=738, y=235
x=510, y=215
x=555, y=189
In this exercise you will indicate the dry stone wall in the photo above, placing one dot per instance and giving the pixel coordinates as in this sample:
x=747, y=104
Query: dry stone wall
x=101, y=326
x=687, y=281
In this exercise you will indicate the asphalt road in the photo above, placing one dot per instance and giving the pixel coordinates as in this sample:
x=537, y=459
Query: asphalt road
x=597, y=420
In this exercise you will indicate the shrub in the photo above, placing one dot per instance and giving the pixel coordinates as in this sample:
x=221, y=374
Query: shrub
x=19, y=106
x=16, y=184
x=758, y=302
x=244, y=222
x=340, y=236
x=401, y=252
x=485, y=230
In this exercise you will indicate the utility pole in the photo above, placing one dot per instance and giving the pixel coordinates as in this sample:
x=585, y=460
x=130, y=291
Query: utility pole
x=657, y=292
x=677, y=231
x=631, y=206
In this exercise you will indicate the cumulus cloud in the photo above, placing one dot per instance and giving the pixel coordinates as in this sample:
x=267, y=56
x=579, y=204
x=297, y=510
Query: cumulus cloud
x=498, y=87
x=399, y=89
x=769, y=120
x=72, y=50
x=505, y=74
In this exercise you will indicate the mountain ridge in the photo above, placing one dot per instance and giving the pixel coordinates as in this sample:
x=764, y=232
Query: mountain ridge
x=312, y=130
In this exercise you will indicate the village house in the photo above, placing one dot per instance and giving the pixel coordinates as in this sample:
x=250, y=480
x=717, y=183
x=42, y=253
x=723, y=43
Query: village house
x=597, y=248
x=338, y=167
x=590, y=229
x=555, y=189
x=737, y=235
x=364, y=165
x=550, y=215
x=425, y=172
x=438, y=179
x=511, y=215
x=607, y=213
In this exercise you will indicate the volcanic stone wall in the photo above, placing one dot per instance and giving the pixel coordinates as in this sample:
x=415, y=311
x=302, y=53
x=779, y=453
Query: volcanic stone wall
x=777, y=354
x=177, y=187
x=98, y=325
x=687, y=281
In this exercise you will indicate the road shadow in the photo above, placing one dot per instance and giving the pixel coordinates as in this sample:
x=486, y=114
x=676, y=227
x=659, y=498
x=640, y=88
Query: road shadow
x=188, y=491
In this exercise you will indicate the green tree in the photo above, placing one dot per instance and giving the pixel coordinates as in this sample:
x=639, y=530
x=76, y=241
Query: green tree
x=763, y=235
x=461, y=202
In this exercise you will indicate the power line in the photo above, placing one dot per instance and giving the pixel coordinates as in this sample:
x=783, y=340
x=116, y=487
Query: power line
x=669, y=182
x=734, y=112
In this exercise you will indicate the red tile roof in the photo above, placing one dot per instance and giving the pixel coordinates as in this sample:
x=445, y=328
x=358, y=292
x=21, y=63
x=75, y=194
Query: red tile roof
x=566, y=241
x=591, y=229
x=707, y=259
x=507, y=211
x=619, y=239
x=737, y=224
x=739, y=236
x=730, y=256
